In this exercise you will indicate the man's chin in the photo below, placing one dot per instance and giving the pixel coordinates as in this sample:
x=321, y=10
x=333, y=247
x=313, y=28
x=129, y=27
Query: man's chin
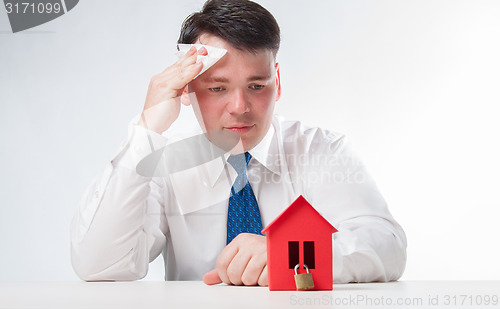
x=227, y=140
x=231, y=141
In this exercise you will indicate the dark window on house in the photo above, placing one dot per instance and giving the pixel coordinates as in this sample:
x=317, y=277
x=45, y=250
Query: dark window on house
x=293, y=254
x=309, y=254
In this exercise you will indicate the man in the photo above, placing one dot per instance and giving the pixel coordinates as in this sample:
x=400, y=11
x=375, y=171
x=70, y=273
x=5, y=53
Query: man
x=127, y=217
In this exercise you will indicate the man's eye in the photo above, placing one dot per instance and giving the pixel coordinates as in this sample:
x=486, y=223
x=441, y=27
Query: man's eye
x=257, y=87
x=216, y=89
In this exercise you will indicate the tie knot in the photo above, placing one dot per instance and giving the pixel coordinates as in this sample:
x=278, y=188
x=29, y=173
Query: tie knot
x=240, y=162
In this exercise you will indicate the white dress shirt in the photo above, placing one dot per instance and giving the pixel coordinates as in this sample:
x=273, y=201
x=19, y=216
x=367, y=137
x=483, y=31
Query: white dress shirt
x=126, y=220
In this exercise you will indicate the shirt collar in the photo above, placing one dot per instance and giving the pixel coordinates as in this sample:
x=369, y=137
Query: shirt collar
x=266, y=152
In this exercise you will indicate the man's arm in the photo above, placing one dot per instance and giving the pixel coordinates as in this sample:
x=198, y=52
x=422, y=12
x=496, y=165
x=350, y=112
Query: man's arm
x=370, y=245
x=369, y=249
x=119, y=220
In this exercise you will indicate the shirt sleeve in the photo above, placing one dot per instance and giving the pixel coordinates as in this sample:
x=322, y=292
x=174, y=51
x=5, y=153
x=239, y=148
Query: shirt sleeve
x=369, y=245
x=120, y=225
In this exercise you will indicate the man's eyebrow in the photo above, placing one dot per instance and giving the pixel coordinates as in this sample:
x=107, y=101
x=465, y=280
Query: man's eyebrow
x=259, y=77
x=215, y=79
x=221, y=79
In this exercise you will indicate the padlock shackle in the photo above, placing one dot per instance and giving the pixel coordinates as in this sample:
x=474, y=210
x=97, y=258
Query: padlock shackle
x=297, y=267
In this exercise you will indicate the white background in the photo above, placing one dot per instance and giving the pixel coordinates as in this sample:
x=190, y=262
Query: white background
x=414, y=84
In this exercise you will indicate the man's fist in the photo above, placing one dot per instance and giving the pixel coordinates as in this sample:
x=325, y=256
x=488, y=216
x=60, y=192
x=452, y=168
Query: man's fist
x=242, y=262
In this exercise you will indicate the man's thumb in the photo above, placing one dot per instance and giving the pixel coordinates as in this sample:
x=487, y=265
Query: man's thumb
x=212, y=277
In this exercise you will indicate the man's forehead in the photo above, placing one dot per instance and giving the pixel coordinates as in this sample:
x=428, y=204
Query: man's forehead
x=216, y=41
x=230, y=68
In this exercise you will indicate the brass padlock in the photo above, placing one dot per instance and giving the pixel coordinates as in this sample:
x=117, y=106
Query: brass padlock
x=305, y=281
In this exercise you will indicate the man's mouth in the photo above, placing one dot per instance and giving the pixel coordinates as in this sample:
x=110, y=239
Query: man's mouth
x=240, y=129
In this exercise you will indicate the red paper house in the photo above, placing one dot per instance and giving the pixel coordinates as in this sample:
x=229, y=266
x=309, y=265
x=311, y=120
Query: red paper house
x=299, y=235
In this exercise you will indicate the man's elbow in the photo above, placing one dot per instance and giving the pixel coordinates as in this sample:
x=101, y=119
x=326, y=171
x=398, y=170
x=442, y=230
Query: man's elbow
x=91, y=269
x=395, y=264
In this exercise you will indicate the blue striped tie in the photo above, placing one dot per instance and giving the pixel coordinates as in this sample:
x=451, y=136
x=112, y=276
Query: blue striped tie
x=243, y=214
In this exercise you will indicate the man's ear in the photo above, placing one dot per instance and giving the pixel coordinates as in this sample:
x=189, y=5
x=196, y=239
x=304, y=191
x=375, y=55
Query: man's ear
x=185, y=96
x=278, y=81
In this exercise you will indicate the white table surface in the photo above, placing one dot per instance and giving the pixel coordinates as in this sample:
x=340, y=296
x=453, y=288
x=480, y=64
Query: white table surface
x=195, y=294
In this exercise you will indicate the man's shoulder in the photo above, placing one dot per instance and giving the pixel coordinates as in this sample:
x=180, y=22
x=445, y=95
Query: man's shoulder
x=298, y=136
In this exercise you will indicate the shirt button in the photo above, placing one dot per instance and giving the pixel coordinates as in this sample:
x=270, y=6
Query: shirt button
x=96, y=194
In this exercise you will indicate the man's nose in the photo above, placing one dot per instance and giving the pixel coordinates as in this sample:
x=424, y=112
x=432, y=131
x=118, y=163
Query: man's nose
x=239, y=103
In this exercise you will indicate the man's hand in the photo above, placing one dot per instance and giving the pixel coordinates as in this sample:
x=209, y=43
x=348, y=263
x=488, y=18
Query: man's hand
x=242, y=262
x=162, y=106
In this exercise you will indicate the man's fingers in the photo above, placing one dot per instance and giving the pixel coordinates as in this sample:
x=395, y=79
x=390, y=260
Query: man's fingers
x=187, y=70
x=202, y=51
x=178, y=75
x=181, y=60
x=224, y=260
x=237, y=267
x=191, y=56
x=212, y=277
x=263, y=281
x=253, y=270
x=188, y=73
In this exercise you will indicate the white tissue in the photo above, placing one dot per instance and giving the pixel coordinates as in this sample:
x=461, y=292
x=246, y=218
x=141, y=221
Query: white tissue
x=214, y=54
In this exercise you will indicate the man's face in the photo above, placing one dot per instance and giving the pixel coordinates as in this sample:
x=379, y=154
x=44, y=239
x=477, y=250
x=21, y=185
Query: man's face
x=238, y=93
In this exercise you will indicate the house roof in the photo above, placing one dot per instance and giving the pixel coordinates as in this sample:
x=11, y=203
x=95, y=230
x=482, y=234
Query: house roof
x=299, y=202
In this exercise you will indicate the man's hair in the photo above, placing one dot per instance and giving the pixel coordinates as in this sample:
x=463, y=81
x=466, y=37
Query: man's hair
x=244, y=24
